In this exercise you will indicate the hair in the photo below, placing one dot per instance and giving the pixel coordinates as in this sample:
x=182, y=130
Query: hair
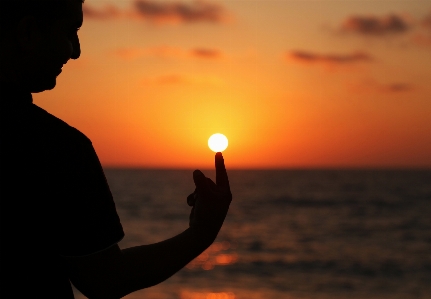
x=45, y=11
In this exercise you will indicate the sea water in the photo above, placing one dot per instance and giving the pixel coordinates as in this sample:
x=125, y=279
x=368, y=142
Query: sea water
x=290, y=234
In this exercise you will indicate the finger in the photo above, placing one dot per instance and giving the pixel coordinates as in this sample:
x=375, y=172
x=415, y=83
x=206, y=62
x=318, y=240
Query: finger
x=222, y=180
x=200, y=182
x=211, y=184
x=191, y=199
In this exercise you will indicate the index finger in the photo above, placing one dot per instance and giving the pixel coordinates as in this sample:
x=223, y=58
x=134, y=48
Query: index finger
x=222, y=180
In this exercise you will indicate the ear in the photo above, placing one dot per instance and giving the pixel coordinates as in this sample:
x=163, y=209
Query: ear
x=28, y=33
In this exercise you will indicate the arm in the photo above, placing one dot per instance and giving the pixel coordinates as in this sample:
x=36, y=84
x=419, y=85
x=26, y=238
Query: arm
x=114, y=273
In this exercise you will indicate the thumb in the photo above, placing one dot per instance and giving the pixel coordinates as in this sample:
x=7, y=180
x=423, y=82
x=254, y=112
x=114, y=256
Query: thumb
x=200, y=181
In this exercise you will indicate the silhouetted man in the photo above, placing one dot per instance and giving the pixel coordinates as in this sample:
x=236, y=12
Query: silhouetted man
x=58, y=218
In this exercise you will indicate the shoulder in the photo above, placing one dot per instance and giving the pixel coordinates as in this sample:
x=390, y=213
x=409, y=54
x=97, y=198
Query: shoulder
x=54, y=128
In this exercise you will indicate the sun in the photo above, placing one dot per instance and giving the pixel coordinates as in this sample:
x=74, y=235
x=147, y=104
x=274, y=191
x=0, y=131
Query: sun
x=217, y=142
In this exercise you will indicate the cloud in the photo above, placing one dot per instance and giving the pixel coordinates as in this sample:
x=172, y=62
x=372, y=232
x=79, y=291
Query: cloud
x=423, y=36
x=167, y=52
x=426, y=22
x=397, y=87
x=373, y=86
x=179, y=79
x=180, y=12
x=171, y=79
x=160, y=51
x=333, y=59
x=375, y=26
x=105, y=13
x=206, y=53
x=157, y=12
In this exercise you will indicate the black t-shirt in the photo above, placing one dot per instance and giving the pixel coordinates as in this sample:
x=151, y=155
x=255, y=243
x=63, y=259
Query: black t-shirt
x=54, y=200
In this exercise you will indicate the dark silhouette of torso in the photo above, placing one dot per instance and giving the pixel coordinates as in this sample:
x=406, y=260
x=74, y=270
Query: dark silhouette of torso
x=54, y=199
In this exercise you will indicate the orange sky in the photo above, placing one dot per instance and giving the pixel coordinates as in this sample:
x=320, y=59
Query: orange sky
x=290, y=83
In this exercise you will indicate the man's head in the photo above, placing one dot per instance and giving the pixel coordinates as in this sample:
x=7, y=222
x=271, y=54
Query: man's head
x=38, y=37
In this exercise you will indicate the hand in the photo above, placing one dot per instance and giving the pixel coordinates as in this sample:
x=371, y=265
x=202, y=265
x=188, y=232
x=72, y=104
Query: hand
x=210, y=202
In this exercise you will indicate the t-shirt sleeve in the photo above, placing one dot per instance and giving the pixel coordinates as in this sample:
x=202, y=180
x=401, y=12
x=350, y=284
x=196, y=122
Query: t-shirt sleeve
x=88, y=220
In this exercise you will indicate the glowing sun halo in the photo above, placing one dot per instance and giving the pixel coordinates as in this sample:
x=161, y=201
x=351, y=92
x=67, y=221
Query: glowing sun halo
x=217, y=142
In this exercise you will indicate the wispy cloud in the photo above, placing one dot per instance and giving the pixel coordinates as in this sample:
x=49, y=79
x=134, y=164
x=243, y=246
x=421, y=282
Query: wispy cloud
x=160, y=51
x=180, y=12
x=156, y=12
x=426, y=22
x=423, y=36
x=397, y=87
x=206, y=53
x=169, y=79
x=168, y=52
x=373, y=86
x=105, y=13
x=181, y=79
x=333, y=59
x=375, y=26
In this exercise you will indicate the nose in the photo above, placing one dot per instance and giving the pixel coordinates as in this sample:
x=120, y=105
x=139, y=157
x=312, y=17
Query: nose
x=76, y=48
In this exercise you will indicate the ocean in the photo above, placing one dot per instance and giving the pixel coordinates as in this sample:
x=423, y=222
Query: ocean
x=289, y=234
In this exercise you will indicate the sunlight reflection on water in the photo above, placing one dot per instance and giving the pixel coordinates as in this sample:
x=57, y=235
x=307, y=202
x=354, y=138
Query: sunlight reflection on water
x=204, y=295
x=211, y=257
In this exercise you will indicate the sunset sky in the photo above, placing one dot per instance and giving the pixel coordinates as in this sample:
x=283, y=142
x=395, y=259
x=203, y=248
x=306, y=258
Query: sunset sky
x=290, y=83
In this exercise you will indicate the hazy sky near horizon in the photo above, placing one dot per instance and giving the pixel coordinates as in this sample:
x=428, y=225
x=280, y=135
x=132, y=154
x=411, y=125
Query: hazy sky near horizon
x=290, y=83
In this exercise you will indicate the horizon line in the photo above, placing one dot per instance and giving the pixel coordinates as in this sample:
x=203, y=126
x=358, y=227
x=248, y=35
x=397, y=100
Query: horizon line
x=380, y=168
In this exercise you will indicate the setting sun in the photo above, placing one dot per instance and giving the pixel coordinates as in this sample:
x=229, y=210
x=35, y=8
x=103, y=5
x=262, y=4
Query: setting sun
x=217, y=142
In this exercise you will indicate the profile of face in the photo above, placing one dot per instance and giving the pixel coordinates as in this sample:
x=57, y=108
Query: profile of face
x=44, y=50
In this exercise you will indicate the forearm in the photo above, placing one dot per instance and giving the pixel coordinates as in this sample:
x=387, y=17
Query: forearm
x=114, y=273
x=147, y=265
